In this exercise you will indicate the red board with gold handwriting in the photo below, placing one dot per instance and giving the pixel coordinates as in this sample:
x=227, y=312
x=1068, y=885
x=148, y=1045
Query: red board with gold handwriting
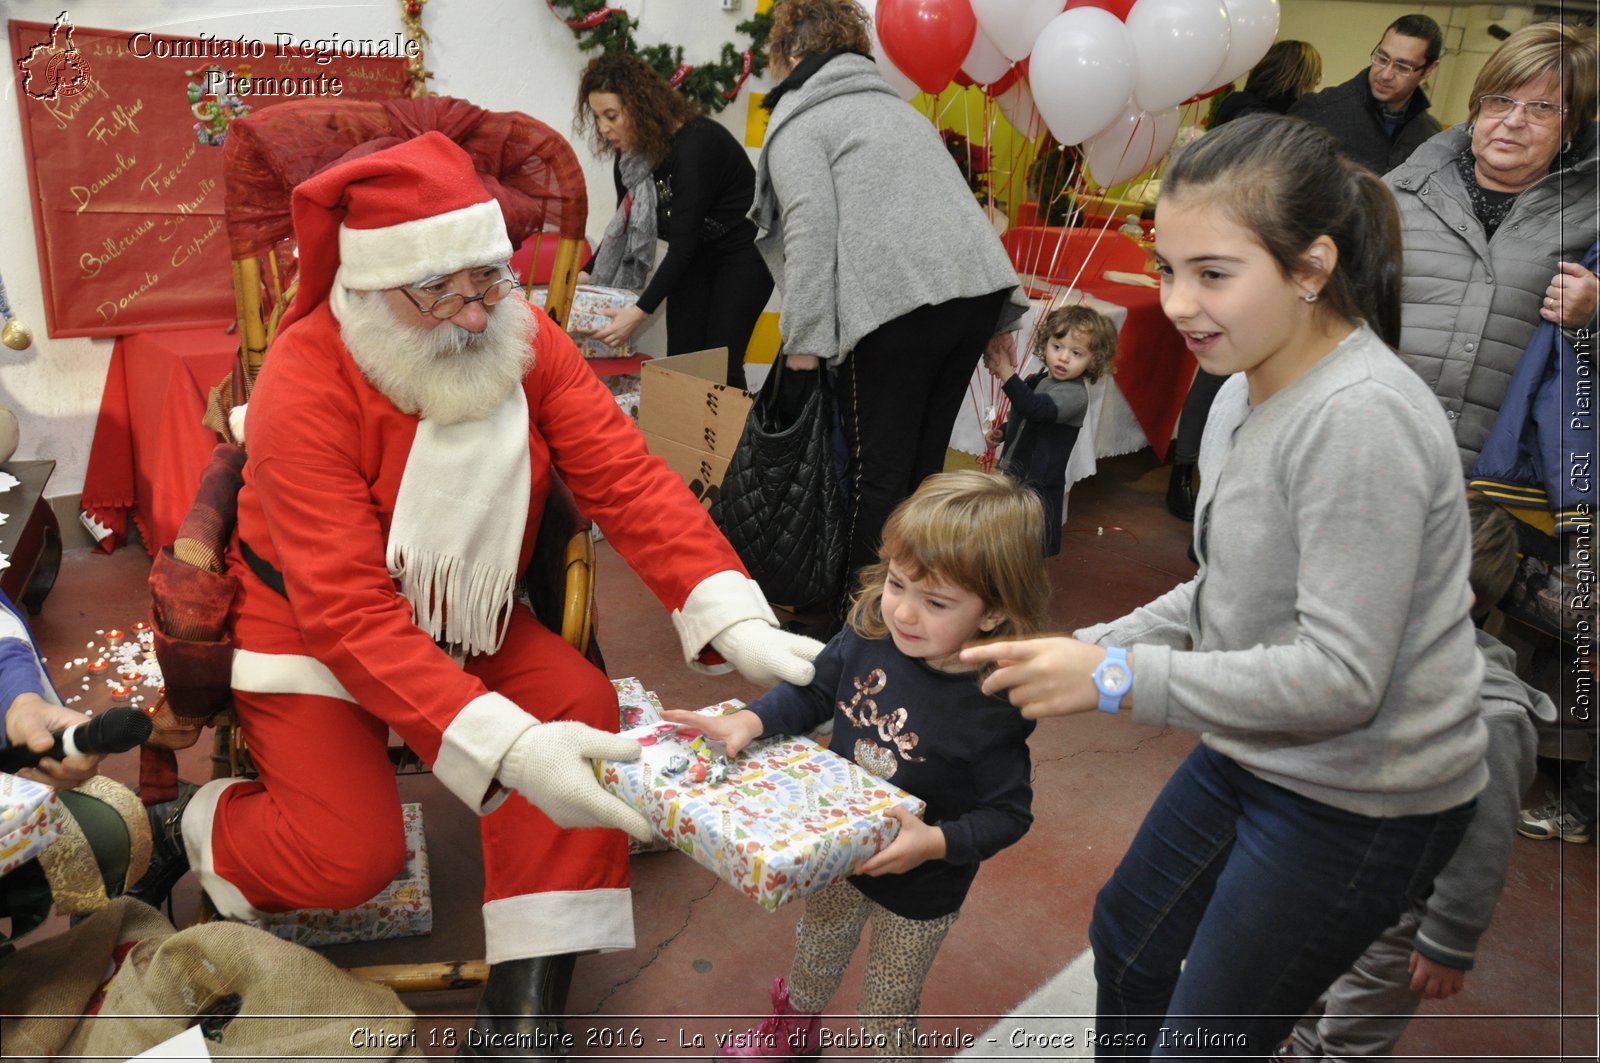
x=123, y=130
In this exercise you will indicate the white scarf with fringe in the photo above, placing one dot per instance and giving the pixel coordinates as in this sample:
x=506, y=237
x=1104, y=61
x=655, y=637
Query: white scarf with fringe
x=458, y=524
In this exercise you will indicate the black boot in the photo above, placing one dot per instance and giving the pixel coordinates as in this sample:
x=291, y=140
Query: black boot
x=169, y=861
x=519, y=1014
x=1180, y=491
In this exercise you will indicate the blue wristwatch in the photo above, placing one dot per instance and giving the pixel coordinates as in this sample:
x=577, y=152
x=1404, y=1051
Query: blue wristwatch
x=1113, y=678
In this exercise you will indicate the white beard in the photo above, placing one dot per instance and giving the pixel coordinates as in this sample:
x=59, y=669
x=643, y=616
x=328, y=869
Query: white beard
x=445, y=374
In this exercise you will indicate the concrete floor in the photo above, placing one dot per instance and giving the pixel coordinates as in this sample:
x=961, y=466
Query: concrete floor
x=706, y=956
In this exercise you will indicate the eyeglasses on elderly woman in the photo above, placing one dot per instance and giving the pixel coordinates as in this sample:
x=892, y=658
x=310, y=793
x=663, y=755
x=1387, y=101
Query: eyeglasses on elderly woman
x=1539, y=112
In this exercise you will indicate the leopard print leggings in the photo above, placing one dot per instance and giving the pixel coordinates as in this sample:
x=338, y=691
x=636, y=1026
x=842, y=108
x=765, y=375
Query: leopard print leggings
x=898, y=957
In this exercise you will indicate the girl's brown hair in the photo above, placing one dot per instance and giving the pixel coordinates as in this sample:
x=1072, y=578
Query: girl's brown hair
x=655, y=109
x=979, y=531
x=1065, y=320
x=1287, y=182
x=801, y=28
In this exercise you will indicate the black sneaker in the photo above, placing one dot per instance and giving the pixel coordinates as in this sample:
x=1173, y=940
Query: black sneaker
x=169, y=861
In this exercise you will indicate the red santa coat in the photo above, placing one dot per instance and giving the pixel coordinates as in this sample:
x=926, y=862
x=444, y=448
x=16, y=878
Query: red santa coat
x=326, y=455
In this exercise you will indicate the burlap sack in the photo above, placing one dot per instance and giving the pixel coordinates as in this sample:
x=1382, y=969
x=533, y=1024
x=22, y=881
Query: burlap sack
x=255, y=997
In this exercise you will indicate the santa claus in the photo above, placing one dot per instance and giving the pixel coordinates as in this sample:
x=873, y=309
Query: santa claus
x=401, y=442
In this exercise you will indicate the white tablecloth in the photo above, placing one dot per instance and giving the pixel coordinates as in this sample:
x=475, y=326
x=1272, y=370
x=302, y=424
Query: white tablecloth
x=1109, y=427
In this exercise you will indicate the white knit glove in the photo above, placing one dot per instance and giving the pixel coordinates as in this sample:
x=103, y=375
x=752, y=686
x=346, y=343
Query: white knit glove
x=550, y=766
x=766, y=655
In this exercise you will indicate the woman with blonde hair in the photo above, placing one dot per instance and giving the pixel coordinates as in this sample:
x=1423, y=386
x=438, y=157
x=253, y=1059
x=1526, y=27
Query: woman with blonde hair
x=1496, y=215
x=1288, y=71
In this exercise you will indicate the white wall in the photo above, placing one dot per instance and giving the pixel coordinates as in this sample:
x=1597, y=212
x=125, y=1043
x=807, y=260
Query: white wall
x=509, y=56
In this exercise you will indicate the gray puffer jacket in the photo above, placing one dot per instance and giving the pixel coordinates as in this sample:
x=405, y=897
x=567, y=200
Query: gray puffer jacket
x=1472, y=304
x=864, y=216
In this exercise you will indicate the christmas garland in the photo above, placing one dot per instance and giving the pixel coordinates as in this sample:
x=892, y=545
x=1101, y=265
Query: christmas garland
x=712, y=85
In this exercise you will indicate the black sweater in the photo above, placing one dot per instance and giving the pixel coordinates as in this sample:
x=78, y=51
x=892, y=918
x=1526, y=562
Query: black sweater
x=704, y=189
x=933, y=734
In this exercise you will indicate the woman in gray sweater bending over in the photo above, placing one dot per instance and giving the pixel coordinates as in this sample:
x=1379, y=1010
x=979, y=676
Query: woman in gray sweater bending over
x=1324, y=650
x=890, y=272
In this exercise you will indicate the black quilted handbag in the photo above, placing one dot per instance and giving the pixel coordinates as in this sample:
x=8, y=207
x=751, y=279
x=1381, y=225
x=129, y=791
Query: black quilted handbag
x=781, y=504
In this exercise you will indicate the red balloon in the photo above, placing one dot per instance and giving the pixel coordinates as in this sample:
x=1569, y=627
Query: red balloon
x=1006, y=80
x=1119, y=8
x=962, y=79
x=927, y=40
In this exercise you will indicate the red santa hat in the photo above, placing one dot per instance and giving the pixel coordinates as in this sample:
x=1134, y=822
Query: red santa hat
x=391, y=218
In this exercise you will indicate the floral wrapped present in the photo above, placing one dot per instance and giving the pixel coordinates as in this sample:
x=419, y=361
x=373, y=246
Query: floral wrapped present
x=636, y=706
x=585, y=319
x=403, y=909
x=789, y=817
x=31, y=817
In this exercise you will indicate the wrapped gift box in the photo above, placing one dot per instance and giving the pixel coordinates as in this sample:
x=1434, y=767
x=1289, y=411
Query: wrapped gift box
x=636, y=706
x=790, y=817
x=403, y=909
x=31, y=816
x=585, y=318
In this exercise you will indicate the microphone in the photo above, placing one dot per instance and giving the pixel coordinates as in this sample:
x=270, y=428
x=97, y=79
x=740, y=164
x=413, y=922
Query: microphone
x=113, y=731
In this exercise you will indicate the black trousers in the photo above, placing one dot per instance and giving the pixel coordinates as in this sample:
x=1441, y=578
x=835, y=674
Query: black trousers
x=716, y=303
x=1192, y=422
x=899, y=393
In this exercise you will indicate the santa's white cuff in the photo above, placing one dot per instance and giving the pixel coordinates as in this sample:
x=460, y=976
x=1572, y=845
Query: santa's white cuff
x=473, y=746
x=716, y=604
x=198, y=817
x=557, y=922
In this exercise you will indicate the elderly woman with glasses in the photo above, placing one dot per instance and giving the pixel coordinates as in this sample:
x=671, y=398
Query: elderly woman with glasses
x=1496, y=216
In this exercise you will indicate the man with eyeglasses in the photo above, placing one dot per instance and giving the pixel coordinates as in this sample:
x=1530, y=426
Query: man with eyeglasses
x=1380, y=116
x=402, y=439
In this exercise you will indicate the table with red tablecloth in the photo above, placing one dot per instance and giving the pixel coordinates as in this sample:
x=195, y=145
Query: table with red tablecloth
x=149, y=445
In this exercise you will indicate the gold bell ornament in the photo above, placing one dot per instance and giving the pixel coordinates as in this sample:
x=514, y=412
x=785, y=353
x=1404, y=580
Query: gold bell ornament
x=14, y=334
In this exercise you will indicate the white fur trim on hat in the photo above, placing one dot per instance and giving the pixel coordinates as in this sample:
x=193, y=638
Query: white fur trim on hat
x=396, y=255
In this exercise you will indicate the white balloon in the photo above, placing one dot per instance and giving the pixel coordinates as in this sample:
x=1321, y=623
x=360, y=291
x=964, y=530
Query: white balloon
x=1130, y=145
x=1014, y=25
x=1081, y=72
x=902, y=85
x=1252, y=26
x=1016, y=103
x=1179, y=46
x=984, y=63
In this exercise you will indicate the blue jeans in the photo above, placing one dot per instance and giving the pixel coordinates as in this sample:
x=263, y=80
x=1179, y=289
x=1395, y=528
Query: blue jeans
x=1238, y=903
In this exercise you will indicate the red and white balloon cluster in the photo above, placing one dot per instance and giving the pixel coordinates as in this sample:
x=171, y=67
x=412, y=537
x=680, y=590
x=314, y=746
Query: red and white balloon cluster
x=1106, y=74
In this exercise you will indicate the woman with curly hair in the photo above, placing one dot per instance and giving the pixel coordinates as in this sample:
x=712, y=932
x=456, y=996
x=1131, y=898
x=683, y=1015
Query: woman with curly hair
x=684, y=179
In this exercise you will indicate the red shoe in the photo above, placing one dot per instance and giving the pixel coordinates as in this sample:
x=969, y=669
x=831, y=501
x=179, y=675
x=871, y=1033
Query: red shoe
x=784, y=1035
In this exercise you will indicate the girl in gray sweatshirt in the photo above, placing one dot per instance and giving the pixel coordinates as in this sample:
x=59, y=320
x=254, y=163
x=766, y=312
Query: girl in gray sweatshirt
x=1324, y=649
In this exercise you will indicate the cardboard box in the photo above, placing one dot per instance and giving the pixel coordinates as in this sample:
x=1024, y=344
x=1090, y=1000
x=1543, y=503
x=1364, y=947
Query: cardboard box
x=691, y=417
x=790, y=817
x=701, y=470
x=403, y=909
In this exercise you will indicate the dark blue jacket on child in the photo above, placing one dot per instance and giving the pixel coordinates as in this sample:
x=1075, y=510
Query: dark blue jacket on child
x=1041, y=431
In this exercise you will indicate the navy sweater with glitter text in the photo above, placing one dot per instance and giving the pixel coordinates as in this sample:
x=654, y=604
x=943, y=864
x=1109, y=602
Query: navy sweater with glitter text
x=933, y=734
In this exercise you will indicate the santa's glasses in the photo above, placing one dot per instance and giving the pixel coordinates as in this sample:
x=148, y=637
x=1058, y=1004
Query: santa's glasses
x=450, y=304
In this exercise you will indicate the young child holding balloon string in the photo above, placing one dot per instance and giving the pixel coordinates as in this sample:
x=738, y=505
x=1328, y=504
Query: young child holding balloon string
x=1074, y=346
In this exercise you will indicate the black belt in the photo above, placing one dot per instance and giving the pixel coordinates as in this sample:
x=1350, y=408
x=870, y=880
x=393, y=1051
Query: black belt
x=263, y=570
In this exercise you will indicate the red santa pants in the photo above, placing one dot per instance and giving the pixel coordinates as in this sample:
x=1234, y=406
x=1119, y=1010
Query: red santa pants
x=321, y=828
